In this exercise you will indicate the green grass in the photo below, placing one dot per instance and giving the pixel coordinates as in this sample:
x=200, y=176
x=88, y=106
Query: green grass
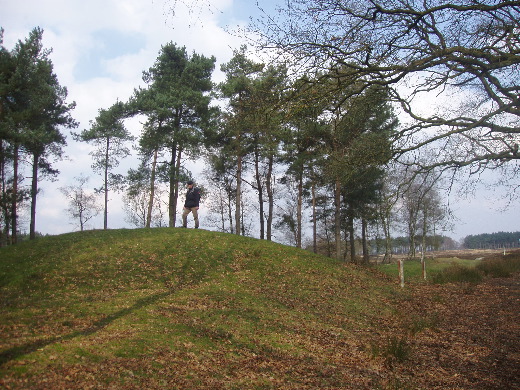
x=455, y=270
x=434, y=267
x=184, y=308
x=193, y=309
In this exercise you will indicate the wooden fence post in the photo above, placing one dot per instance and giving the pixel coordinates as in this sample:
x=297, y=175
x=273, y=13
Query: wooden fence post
x=400, y=263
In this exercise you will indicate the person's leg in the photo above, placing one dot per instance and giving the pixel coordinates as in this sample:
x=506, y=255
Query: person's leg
x=185, y=213
x=195, y=217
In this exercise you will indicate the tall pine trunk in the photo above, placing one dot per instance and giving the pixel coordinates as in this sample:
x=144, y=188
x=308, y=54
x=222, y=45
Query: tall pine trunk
x=4, y=234
x=171, y=196
x=351, y=236
x=314, y=220
x=176, y=184
x=152, y=189
x=388, y=238
x=105, y=214
x=337, y=217
x=222, y=207
x=229, y=193
x=260, y=193
x=299, y=211
x=366, y=255
x=175, y=166
x=14, y=204
x=270, y=196
x=34, y=192
x=238, y=199
x=411, y=233
x=423, y=260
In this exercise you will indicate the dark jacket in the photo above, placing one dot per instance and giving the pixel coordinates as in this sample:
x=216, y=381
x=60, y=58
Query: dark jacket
x=192, y=198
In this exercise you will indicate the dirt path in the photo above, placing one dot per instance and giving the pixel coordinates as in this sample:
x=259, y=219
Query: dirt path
x=464, y=337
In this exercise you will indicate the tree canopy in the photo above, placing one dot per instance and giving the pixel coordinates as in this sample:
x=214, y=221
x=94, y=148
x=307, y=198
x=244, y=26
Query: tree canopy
x=177, y=104
x=452, y=68
x=33, y=113
x=358, y=103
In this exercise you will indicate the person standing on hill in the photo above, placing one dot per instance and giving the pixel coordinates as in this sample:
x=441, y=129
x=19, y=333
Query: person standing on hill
x=191, y=205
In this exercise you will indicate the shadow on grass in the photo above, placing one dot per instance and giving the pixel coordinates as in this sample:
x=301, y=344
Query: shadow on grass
x=21, y=350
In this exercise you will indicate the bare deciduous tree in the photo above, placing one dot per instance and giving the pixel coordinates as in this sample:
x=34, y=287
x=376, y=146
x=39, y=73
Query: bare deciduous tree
x=453, y=68
x=83, y=206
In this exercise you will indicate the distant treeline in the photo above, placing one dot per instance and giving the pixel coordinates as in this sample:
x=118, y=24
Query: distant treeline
x=493, y=240
x=402, y=244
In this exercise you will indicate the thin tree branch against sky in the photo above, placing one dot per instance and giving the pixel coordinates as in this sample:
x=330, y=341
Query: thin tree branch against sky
x=100, y=49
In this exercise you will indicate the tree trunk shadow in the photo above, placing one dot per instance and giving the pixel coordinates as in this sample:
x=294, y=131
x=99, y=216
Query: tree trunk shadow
x=25, y=349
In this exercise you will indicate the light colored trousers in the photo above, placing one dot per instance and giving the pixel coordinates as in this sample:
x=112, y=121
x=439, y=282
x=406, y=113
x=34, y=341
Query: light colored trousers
x=185, y=213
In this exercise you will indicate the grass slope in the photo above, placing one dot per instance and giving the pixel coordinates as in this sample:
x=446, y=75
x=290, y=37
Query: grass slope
x=189, y=309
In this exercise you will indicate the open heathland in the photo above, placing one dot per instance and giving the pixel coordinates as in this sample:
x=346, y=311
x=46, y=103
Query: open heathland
x=178, y=308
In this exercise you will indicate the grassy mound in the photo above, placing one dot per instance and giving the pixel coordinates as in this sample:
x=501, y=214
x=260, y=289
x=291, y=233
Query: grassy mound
x=182, y=308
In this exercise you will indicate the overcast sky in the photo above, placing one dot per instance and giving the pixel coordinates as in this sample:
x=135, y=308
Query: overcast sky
x=100, y=49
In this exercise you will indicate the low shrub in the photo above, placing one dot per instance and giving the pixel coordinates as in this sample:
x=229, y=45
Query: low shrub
x=502, y=267
x=419, y=324
x=396, y=349
x=458, y=274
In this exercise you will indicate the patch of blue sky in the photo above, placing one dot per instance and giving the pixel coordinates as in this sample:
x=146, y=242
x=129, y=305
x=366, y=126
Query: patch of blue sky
x=245, y=11
x=108, y=44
